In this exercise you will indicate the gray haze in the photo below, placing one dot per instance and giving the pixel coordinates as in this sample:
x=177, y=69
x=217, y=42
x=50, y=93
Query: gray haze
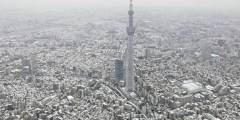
x=213, y=4
x=108, y=60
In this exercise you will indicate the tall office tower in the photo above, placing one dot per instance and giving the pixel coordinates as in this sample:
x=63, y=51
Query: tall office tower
x=238, y=53
x=130, y=83
x=119, y=70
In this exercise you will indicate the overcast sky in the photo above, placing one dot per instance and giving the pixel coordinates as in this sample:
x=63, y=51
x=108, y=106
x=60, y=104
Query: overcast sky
x=219, y=4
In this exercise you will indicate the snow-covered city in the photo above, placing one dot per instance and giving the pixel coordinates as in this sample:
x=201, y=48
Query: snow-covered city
x=129, y=63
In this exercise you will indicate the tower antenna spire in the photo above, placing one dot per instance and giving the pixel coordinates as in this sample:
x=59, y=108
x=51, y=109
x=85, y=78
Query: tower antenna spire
x=131, y=5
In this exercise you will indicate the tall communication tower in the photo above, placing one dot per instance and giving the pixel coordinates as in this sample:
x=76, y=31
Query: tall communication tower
x=130, y=83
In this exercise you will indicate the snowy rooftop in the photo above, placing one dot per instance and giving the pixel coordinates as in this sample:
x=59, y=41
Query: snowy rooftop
x=191, y=86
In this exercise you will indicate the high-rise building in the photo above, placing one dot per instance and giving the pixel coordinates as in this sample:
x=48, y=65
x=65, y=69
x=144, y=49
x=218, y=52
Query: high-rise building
x=119, y=70
x=147, y=53
x=130, y=83
x=238, y=53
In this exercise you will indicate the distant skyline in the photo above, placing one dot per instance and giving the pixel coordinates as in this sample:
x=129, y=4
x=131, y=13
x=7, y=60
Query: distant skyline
x=213, y=4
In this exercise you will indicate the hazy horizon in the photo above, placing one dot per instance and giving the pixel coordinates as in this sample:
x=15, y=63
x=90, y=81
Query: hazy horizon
x=36, y=4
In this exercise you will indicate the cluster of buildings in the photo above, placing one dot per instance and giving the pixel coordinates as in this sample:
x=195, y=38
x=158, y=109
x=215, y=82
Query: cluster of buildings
x=184, y=70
